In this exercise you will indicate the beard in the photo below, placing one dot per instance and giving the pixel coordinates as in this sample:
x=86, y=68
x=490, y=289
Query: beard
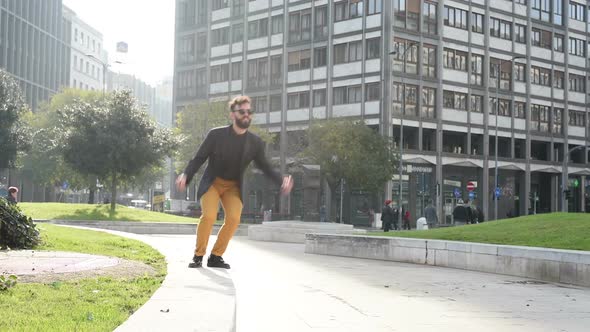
x=243, y=123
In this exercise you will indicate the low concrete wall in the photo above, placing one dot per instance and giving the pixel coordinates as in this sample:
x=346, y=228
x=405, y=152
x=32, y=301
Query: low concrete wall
x=293, y=231
x=554, y=265
x=138, y=227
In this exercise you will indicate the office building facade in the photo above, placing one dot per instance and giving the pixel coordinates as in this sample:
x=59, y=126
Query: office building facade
x=34, y=47
x=460, y=79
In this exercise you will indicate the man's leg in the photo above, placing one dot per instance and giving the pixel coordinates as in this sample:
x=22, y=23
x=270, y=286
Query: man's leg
x=232, y=205
x=209, y=206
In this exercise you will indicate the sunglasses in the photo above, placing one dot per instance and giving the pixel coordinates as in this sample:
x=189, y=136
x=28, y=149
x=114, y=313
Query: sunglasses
x=243, y=112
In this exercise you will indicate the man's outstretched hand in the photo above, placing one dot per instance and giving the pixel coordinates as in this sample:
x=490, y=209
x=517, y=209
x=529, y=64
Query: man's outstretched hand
x=181, y=182
x=287, y=185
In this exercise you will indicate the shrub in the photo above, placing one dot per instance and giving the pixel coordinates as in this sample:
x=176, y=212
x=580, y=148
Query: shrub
x=17, y=231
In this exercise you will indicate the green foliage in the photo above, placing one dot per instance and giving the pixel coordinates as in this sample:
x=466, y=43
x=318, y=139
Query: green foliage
x=348, y=149
x=14, y=135
x=17, y=231
x=551, y=230
x=113, y=140
x=7, y=282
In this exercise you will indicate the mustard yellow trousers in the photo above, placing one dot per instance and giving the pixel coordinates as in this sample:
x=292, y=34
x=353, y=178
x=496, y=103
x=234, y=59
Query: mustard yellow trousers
x=229, y=194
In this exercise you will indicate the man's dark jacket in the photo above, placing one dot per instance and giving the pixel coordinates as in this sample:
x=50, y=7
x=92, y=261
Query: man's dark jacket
x=215, y=148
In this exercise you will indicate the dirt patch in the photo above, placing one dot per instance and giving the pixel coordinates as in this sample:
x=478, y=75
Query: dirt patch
x=124, y=270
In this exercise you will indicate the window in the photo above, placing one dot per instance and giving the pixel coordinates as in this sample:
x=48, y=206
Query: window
x=321, y=22
x=576, y=118
x=319, y=97
x=540, y=117
x=299, y=60
x=428, y=60
x=236, y=71
x=520, y=33
x=558, y=78
x=406, y=14
x=576, y=46
x=186, y=49
x=456, y=18
x=300, y=26
x=298, y=100
x=219, y=73
x=406, y=57
x=373, y=91
x=411, y=100
x=348, y=9
x=541, y=38
x=557, y=120
x=456, y=100
x=540, y=76
x=427, y=107
x=541, y=10
x=504, y=68
x=277, y=24
x=477, y=22
x=374, y=6
x=276, y=69
x=429, y=10
x=519, y=109
x=520, y=70
x=348, y=52
x=75, y=37
x=238, y=7
x=476, y=69
x=238, y=32
x=455, y=59
x=276, y=102
x=201, y=47
x=577, y=11
x=259, y=104
x=347, y=95
x=373, y=48
x=476, y=104
x=577, y=83
x=75, y=64
x=185, y=83
x=202, y=12
x=558, y=11
x=320, y=57
x=500, y=28
x=558, y=42
x=219, y=4
x=504, y=107
x=257, y=73
x=258, y=28
x=219, y=36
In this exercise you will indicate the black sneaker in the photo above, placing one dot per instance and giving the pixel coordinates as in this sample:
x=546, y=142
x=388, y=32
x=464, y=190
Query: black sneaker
x=197, y=262
x=217, y=261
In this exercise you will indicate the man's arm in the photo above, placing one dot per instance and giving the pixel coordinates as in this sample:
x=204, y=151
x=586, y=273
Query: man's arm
x=264, y=165
x=203, y=153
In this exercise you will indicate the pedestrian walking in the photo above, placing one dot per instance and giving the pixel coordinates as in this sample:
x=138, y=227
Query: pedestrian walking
x=430, y=215
x=387, y=216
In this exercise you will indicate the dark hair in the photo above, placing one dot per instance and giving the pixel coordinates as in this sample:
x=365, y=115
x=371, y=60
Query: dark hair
x=13, y=190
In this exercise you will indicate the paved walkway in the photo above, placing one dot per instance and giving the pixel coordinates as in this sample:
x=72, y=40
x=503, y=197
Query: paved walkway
x=276, y=287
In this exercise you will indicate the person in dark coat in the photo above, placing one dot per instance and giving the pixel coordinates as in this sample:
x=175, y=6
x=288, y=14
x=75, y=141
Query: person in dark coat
x=12, y=196
x=387, y=216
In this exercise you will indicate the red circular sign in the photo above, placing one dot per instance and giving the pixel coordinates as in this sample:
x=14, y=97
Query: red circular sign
x=470, y=186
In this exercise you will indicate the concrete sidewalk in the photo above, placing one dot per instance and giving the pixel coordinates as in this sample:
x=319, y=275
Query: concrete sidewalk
x=276, y=287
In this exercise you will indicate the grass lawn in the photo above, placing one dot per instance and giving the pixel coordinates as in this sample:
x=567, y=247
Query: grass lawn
x=555, y=230
x=96, y=212
x=95, y=304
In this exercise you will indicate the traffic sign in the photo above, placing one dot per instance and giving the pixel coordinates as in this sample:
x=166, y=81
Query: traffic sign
x=498, y=192
x=576, y=183
x=471, y=195
x=457, y=193
x=470, y=186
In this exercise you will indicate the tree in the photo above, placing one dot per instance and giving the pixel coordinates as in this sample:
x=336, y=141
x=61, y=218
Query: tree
x=44, y=162
x=14, y=135
x=349, y=150
x=113, y=140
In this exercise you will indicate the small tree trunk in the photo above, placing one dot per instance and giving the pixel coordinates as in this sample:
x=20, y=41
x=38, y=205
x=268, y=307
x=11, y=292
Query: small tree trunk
x=91, y=196
x=113, y=193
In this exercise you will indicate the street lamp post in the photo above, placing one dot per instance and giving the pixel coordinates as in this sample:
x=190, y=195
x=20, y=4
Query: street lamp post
x=499, y=73
x=401, y=130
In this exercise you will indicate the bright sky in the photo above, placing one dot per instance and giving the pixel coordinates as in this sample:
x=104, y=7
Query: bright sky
x=146, y=26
